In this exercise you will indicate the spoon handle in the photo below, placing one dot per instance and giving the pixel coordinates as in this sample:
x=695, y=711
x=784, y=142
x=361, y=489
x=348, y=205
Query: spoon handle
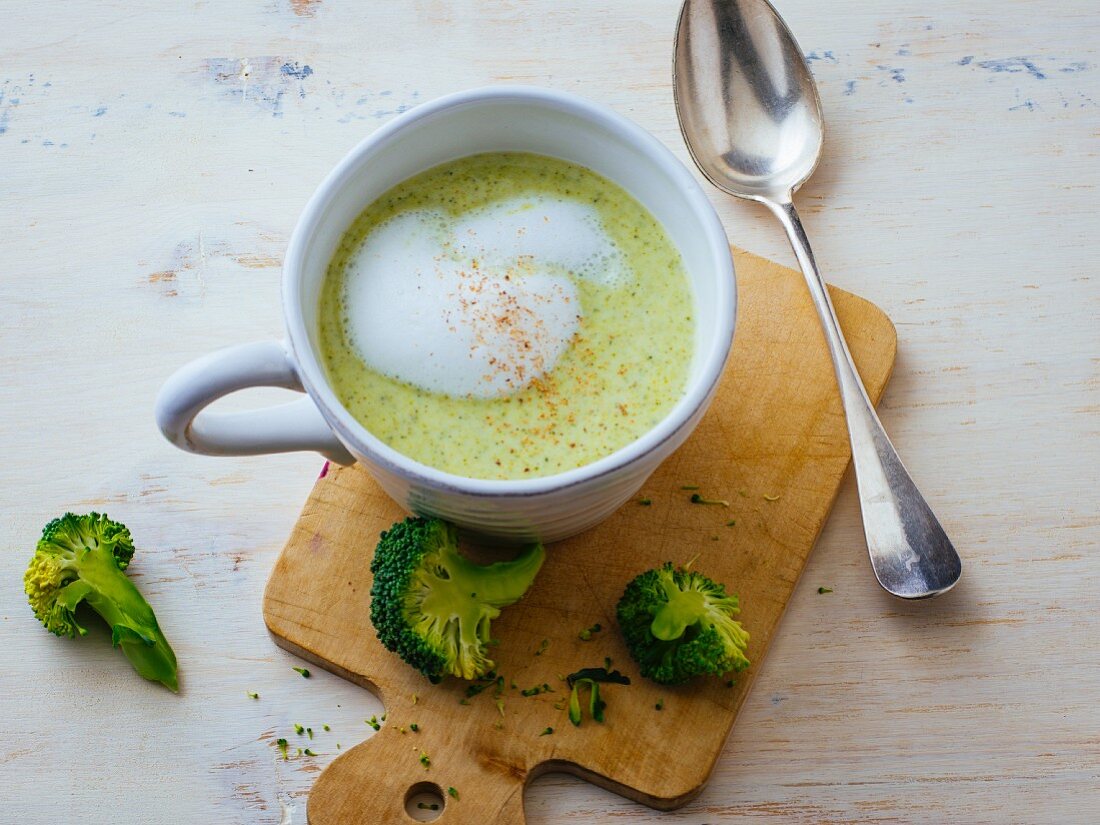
x=910, y=553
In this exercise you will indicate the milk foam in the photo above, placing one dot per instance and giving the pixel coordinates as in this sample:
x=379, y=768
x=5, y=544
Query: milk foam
x=475, y=306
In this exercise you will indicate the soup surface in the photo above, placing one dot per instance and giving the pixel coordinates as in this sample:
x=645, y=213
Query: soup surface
x=507, y=316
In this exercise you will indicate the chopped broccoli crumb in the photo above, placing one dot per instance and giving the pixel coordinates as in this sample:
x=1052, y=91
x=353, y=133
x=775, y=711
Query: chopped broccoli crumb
x=415, y=728
x=282, y=744
x=500, y=706
x=374, y=723
x=597, y=674
x=298, y=729
x=732, y=522
x=660, y=704
x=253, y=695
x=607, y=663
x=823, y=590
x=730, y=683
x=586, y=634
x=591, y=677
x=689, y=487
x=303, y=671
x=308, y=752
x=326, y=727
x=545, y=643
x=310, y=732
x=645, y=502
x=698, y=499
x=452, y=791
x=428, y=806
x=474, y=690
x=382, y=718
x=574, y=707
x=425, y=760
x=546, y=732
x=536, y=690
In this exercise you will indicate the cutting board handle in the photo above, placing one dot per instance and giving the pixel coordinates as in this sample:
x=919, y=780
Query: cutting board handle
x=370, y=784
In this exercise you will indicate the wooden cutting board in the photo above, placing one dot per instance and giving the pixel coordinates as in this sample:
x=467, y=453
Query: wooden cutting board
x=773, y=444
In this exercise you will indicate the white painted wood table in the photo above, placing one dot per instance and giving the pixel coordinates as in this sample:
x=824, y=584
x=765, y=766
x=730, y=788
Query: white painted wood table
x=153, y=159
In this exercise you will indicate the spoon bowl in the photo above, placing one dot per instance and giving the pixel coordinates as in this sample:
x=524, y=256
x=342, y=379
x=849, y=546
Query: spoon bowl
x=760, y=132
x=751, y=117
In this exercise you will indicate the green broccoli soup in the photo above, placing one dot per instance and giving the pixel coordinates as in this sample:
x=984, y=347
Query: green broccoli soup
x=507, y=316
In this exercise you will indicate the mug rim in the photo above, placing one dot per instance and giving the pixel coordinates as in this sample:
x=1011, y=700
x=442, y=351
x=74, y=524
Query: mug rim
x=363, y=443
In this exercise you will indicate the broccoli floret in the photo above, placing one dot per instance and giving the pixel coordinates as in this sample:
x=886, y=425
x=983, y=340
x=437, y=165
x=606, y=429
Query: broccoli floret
x=432, y=607
x=82, y=559
x=679, y=624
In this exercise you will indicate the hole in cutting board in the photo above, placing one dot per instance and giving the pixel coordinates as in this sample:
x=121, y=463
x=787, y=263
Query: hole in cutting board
x=420, y=799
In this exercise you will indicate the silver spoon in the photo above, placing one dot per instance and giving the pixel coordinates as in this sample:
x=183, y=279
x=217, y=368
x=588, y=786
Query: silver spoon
x=750, y=114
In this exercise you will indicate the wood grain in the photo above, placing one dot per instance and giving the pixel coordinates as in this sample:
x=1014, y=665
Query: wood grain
x=773, y=446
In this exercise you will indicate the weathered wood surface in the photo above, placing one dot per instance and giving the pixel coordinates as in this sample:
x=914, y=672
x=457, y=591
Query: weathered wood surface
x=153, y=160
x=772, y=446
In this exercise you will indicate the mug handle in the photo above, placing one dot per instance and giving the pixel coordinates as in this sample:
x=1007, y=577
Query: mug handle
x=285, y=428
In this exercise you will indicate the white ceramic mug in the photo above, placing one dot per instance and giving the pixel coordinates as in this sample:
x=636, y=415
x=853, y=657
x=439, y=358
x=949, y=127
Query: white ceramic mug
x=494, y=119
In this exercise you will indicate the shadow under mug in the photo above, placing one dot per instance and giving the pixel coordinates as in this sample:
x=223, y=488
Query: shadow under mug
x=492, y=119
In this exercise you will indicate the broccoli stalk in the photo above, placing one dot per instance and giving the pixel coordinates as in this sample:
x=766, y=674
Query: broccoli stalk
x=679, y=624
x=432, y=606
x=82, y=559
